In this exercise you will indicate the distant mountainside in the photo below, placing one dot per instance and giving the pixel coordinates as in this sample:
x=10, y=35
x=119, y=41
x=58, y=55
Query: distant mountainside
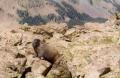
x=72, y=12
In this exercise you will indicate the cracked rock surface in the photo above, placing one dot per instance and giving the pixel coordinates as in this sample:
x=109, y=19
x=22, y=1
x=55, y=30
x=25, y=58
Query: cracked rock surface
x=92, y=51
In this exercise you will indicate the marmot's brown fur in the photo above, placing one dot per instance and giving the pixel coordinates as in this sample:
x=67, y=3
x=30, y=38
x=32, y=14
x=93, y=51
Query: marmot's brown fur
x=42, y=49
x=48, y=53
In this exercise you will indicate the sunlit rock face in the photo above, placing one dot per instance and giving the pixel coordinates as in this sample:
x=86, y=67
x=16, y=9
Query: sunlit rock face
x=72, y=12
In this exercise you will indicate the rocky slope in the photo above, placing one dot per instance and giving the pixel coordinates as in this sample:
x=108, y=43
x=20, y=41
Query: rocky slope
x=89, y=51
x=72, y=12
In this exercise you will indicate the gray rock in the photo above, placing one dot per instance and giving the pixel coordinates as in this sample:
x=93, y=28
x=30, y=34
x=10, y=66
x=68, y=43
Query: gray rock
x=39, y=67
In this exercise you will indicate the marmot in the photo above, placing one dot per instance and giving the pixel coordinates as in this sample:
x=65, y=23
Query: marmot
x=49, y=54
x=42, y=49
x=46, y=52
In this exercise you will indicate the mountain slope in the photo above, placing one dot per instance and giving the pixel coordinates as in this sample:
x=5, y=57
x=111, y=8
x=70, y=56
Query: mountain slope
x=72, y=12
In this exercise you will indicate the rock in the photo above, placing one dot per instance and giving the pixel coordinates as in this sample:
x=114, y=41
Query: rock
x=13, y=39
x=72, y=69
x=57, y=35
x=20, y=64
x=19, y=56
x=39, y=67
x=47, y=30
x=59, y=70
x=104, y=71
x=17, y=68
x=29, y=75
x=117, y=15
x=98, y=73
x=25, y=28
x=70, y=31
x=55, y=28
x=26, y=71
x=103, y=62
x=94, y=74
x=117, y=19
x=117, y=22
x=95, y=26
x=31, y=59
x=73, y=32
x=4, y=75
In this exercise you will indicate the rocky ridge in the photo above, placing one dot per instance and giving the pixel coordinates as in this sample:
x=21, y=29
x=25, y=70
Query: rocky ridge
x=90, y=51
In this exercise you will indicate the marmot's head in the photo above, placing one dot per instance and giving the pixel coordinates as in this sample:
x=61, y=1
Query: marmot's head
x=36, y=43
